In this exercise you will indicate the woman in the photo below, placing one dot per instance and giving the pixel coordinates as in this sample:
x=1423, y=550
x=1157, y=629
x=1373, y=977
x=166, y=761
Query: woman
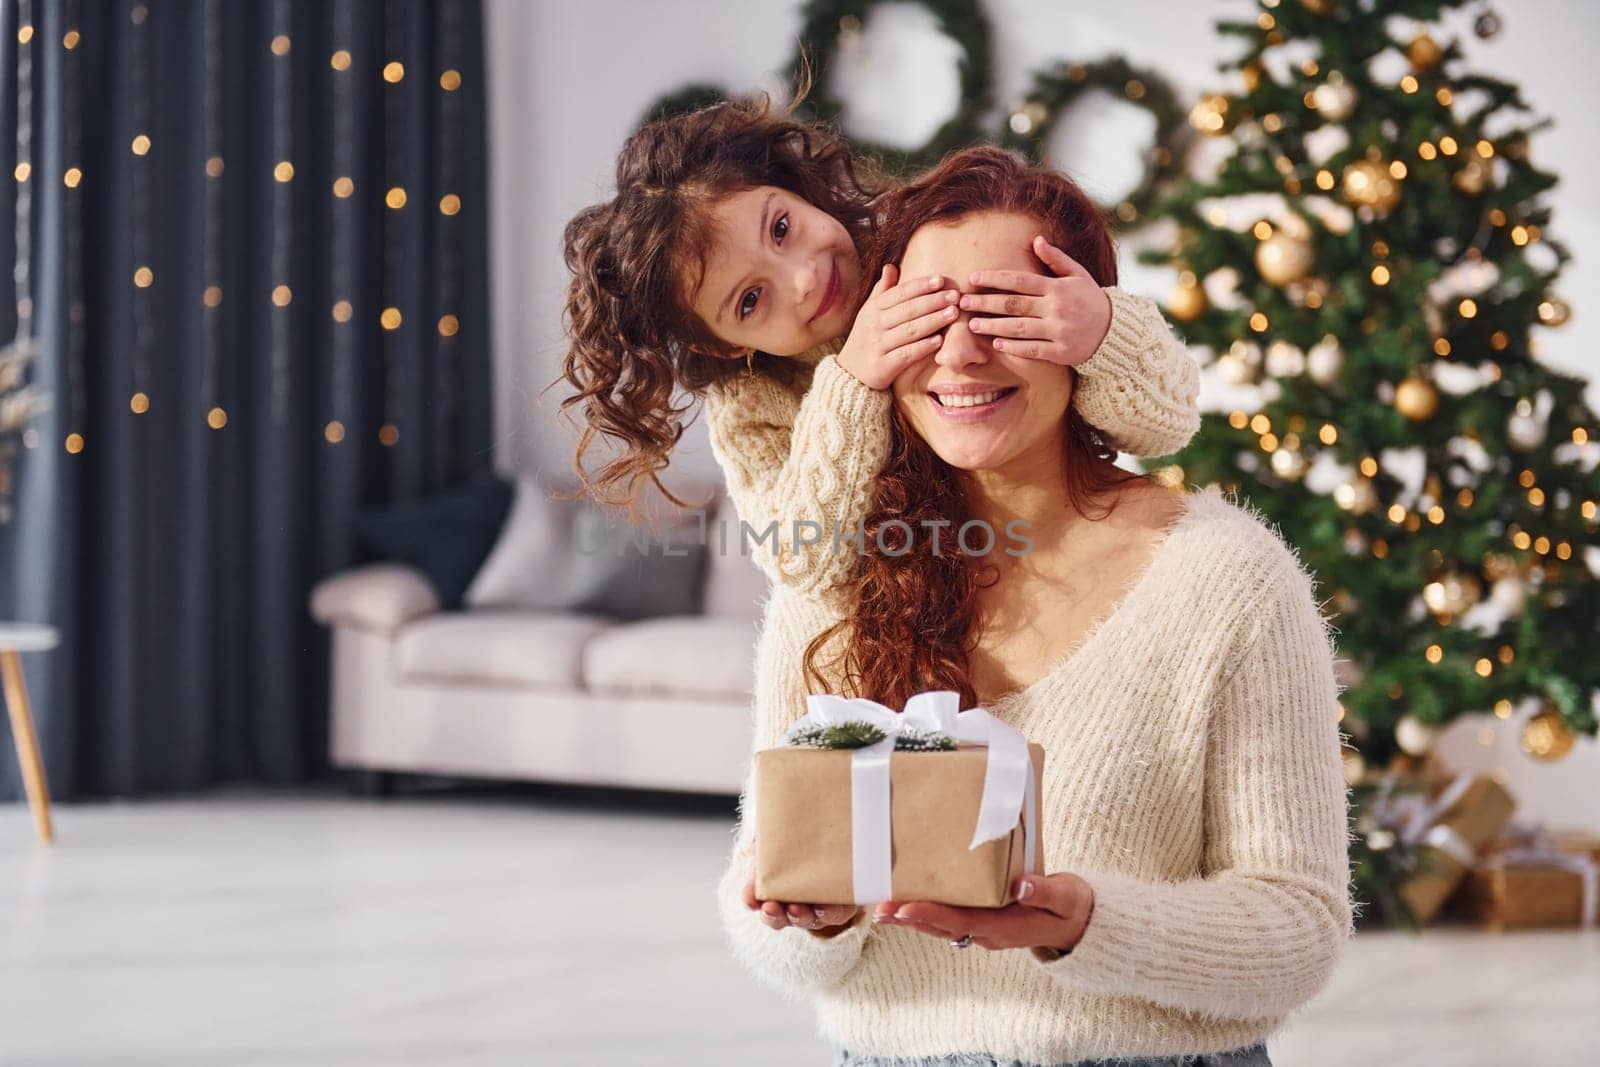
x=1167, y=651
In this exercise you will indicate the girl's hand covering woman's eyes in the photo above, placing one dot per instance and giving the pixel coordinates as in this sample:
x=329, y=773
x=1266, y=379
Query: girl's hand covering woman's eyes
x=898, y=325
x=1061, y=319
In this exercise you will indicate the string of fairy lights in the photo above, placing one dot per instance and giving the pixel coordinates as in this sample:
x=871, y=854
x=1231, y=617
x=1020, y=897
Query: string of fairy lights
x=447, y=161
x=21, y=270
x=282, y=207
x=394, y=73
x=211, y=223
x=344, y=230
x=139, y=188
x=343, y=221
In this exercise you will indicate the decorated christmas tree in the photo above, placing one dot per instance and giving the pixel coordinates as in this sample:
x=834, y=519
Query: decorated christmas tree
x=1374, y=321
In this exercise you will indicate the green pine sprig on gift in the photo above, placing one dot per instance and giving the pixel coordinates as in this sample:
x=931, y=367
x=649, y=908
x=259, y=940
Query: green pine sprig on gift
x=860, y=734
x=923, y=741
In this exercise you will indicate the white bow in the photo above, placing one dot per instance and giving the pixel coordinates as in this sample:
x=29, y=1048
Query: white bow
x=1009, y=782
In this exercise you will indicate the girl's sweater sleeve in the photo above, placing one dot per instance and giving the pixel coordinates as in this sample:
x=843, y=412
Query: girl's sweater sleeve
x=1260, y=932
x=1140, y=386
x=793, y=962
x=800, y=467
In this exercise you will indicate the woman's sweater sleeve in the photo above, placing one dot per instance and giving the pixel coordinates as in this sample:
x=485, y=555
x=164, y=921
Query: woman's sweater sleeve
x=1260, y=933
x=793, y=962
x=1140, y=386
x=801, y=467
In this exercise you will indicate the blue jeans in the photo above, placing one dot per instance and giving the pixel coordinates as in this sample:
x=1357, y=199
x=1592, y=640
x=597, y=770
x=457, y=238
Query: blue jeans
x=1253, y=1056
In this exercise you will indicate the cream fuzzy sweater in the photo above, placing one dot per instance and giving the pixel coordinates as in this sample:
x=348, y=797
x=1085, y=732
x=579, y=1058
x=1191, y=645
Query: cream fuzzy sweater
x=1193, y=774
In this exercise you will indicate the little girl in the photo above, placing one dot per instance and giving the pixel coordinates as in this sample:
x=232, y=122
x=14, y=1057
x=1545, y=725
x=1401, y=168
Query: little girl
x=728, y=266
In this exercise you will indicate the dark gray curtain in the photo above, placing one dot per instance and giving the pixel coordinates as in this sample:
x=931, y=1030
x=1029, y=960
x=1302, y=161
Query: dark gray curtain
x=239, y=355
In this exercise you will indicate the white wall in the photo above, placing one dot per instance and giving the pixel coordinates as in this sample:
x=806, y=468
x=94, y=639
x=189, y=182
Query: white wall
x=570, y=81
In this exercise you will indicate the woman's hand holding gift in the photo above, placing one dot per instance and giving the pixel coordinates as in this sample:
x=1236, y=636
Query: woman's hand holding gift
x=898, y=325
x=1051, y=911
x=822, y=919
x=1060, y=320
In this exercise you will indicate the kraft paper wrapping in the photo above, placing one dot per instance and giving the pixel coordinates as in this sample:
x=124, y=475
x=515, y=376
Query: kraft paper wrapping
x=803, y=836
x=1506, y=898
x=1533, y=877
x=1474, y=816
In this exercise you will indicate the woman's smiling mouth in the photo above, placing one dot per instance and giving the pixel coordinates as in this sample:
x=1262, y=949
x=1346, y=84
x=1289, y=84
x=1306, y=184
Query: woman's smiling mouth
x=966, y=406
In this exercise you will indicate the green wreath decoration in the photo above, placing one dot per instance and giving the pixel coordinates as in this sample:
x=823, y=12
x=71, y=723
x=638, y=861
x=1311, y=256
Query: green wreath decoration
x=830, y=24
x=1056, y=88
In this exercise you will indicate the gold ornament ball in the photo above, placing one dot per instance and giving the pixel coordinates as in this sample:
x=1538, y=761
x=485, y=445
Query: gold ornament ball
x=1317, y=7
x=1451, y=595
x=1251, y=73
x=1473, y=175
x=1423, y=52
x=1368, y=183
x=1416, y=399
x=1282, y=258
x=1554, y=312
x=1546, y=736
x=1187, y=302
x=1413, y=736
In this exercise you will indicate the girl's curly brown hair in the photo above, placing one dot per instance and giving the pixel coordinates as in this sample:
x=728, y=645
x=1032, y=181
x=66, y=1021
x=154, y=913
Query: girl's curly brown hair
x=633, y=335
x=915, y=618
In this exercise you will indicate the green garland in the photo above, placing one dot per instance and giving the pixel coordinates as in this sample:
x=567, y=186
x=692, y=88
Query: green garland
x=1059, y=86
x=861, y=734
x=963, y=21
x=827, y=23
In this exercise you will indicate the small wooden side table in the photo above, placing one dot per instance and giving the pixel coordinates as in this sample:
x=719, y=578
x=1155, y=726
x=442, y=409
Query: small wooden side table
x=17, y=637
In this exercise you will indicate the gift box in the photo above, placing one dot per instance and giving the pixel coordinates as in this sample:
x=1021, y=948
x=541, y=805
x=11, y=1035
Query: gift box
x=934, y=804
x=1448, y=834
x=1531, y=878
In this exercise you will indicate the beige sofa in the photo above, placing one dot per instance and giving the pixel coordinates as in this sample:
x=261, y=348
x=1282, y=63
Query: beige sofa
x=661, y=703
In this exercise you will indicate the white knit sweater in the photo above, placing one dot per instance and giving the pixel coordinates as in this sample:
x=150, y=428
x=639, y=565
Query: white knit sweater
x=1192, y=776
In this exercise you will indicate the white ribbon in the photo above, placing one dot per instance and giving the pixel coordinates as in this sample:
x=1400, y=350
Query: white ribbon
x=1544, y=854
x=1009, y=782
x=1425, y=814
x=1448, y=840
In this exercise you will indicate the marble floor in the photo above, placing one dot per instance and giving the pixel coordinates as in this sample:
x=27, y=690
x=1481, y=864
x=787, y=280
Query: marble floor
x=544, y=925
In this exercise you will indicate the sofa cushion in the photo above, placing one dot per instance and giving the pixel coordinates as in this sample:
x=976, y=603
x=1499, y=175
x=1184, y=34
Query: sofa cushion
x=496, y=648
x=446, y=536
x=528, y=566
x=684, y=656
x=635, y=572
